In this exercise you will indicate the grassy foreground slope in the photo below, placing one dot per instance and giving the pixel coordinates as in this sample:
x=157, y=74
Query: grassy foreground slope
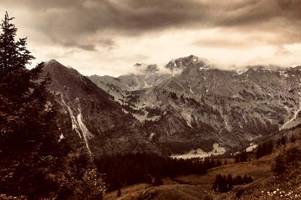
x=267, y=184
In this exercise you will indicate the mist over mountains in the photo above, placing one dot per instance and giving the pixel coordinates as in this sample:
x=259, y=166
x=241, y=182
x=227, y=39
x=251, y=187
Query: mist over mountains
x=196, y=109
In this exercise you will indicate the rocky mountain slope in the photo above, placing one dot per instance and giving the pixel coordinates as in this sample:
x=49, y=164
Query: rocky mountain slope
x=201, y=106
x=122, y=86
x=98, y=121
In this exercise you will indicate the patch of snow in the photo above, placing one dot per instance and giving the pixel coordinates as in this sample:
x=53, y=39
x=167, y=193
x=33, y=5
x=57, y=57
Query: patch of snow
x=125, y=111
x=195, y=59
x=72, y=117
x=287, y=109
x=236, y=96
x=240, y=71
x=283, y=73
x=240, y=125
x=61, y=137
x=199, y=153
x=146, y=85
x=48, y=106
x=139, y=117
x=143, y=118
x=154, y=118
x=218, y=150
x=289, y=123
x=151, y=136
x=246, y=121
x=252, y=147
x=191, y=90
x=78, y=125
x=187, y=117
x=204, y=68
x=85, y=132
x=227, y=124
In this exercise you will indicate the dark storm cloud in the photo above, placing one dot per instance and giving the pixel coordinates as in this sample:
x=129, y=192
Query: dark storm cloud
x=88, y=23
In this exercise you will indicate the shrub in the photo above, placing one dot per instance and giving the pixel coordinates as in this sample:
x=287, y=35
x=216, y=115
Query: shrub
x=286, y=159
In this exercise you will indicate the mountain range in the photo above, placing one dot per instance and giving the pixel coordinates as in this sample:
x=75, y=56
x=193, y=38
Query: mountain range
x=196, y=108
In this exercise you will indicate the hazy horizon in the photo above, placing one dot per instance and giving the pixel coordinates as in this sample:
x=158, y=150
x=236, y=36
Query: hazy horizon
x=108, y=37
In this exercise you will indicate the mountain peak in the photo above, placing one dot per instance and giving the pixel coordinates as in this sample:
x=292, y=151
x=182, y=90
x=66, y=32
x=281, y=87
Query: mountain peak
x=54, y=65
x=185, y=62
x=53, y=61
x=57, y=69
x=192, y=59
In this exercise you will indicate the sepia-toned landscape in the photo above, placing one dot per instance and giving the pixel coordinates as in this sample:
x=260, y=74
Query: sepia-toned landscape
x=150, y=100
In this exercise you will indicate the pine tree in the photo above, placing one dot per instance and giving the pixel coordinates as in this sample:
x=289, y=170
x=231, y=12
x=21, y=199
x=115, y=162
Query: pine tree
x=216, y=183
x=13, y=54
x=265, y=148
x=22, y=97
x=229, y=181
x=283, y=140
x=36, y=164
x=293, y=139
x=15, y=79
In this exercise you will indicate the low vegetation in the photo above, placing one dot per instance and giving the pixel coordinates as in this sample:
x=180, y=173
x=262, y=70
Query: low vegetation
x=286, y=160
x=129, y=169
x=225, y=183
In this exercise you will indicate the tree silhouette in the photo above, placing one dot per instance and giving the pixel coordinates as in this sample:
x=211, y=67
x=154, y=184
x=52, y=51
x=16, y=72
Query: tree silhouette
x=23, y=96
x=13, y=53
x=32, y=162
x=265, y=148
x=241, y=157
x=293, y=139
x=225, y=183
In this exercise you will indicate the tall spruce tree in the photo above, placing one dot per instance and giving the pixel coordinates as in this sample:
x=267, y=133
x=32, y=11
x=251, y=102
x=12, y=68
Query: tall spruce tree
x=32, y=161
x=15, y=79
x=24, y=123
x=22, y=97
x=13, y=53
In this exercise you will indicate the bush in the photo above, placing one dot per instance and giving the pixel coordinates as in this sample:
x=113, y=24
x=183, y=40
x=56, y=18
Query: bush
x=226, y=183
x=279, y=165
x=264, y=149
x=286, y=159
x=241, y=157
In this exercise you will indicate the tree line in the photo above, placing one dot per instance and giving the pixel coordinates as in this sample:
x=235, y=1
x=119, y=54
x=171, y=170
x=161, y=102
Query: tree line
x=263, y=149
x=127, y=169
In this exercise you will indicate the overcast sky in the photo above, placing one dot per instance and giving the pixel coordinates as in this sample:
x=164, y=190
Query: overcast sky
x=110, y=36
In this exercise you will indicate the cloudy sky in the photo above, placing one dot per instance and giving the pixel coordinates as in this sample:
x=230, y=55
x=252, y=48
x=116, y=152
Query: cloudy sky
x=110, y=36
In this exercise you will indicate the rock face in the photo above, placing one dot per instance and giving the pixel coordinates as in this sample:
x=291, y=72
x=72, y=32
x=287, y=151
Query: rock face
x=122, y=86
x=98, y=121
x=200, y=105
